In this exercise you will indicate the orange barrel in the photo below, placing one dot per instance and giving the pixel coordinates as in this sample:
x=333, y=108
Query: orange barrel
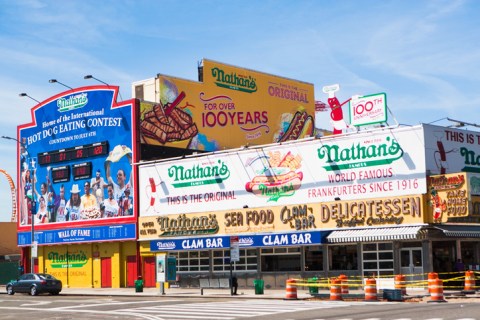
x=400, y=283
x=432, y=276
x=335, y=289
x=291, y=290
x=344, y=281
x=436, y=291
x=371, y=290
x=469, y=281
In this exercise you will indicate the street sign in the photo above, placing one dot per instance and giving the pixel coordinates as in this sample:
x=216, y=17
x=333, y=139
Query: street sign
x=35, y=249
x=234, y=249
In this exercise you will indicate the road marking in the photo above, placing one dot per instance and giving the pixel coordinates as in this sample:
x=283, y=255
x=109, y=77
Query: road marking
x=96, y=312
x=229, y=310
x=109, y=304
x=38, y=303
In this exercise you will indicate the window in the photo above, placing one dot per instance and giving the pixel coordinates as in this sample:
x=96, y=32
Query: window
x=377, y=259
x=192, y=261
x=280, y=259
x=313, y=258
x=248, y=260
x=139, y=92
x=342, y=257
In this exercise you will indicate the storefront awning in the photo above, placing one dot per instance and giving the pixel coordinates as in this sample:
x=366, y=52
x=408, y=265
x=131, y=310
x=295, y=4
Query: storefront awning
x=374, y=234
x=460, y=231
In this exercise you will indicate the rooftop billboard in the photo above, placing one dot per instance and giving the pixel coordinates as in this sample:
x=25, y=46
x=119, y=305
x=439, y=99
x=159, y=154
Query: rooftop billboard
x=232, y=107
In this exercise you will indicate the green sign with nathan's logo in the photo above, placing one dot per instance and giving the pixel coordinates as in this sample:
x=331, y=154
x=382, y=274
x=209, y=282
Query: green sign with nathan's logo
x=68, y=259
x=234, y=81
x=73, y=102
x=358, y=155
x=198, y=174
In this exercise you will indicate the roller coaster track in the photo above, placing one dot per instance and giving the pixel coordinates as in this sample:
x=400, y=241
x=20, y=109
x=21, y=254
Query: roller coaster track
x=14, y=195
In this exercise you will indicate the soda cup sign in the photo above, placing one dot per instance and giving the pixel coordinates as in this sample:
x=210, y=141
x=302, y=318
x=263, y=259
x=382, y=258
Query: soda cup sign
x=368, y=110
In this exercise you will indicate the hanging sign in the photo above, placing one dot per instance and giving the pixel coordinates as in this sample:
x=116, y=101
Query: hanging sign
x=368, y=110
x=234, y=249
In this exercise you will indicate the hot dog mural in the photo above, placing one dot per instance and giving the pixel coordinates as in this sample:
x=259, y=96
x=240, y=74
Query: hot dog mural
x=277, y=176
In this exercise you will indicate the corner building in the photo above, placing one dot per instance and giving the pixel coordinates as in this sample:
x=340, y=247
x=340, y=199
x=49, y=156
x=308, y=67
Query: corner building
x=76, y=218
x=372, y=203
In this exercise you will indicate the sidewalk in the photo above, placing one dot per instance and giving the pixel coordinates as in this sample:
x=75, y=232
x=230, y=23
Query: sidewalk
x=184, y=292
x=249, y=293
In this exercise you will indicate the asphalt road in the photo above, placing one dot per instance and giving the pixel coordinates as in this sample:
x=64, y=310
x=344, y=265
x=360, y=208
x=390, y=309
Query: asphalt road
x=22, y=306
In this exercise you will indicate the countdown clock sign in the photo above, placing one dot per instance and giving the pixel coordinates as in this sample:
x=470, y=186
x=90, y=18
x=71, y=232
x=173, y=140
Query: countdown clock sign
x=368, y=110
x=75, y=153
x=80, y=170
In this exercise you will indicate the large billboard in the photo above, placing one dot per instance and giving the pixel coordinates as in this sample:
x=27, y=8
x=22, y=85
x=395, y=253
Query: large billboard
x=451, y=150
x=232, y=107
x=382, y=163
x=75, y=168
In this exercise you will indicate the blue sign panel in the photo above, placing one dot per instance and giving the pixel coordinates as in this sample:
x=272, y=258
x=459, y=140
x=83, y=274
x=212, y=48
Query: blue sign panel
x=203, y=243
x=281, y=239
x=265, y=240
x=77, y=235
x=75, y=163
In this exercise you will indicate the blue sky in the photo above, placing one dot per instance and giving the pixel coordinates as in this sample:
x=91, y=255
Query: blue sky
x=425, y=55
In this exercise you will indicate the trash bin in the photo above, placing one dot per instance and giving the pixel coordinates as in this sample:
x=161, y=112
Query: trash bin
x=139, y=285
x=312, y=288
x=258, y=284
x=392, y=294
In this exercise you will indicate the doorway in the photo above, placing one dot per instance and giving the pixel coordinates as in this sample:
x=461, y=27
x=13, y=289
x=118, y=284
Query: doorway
x=411, y=264
x=106, y=272
x=149, y=272
x=131, y=271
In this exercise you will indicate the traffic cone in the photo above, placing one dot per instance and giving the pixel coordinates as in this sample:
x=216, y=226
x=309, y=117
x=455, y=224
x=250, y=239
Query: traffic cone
x=436, y=293
x=335, y=289
x=469, y=282
x=371, y=290
x=432, y=276
x=344, y=281
x=400, y=283
x=291, y=290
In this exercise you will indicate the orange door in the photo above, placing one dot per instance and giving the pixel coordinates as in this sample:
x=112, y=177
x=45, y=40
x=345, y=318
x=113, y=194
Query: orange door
x=106, y=272
x=131, y=270
x=149, y=272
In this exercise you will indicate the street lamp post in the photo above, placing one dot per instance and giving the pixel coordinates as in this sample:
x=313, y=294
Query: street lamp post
x=32, y=242
x=63, y=84
x=89, y=76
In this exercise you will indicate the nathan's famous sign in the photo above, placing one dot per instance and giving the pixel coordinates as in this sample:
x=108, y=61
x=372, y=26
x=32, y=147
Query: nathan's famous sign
x=230, y=108
x=393, y=211
x=366, y=165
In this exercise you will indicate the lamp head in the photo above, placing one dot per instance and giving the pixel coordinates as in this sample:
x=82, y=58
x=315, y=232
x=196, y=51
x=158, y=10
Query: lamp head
x=88, y=76
x=52, y=80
